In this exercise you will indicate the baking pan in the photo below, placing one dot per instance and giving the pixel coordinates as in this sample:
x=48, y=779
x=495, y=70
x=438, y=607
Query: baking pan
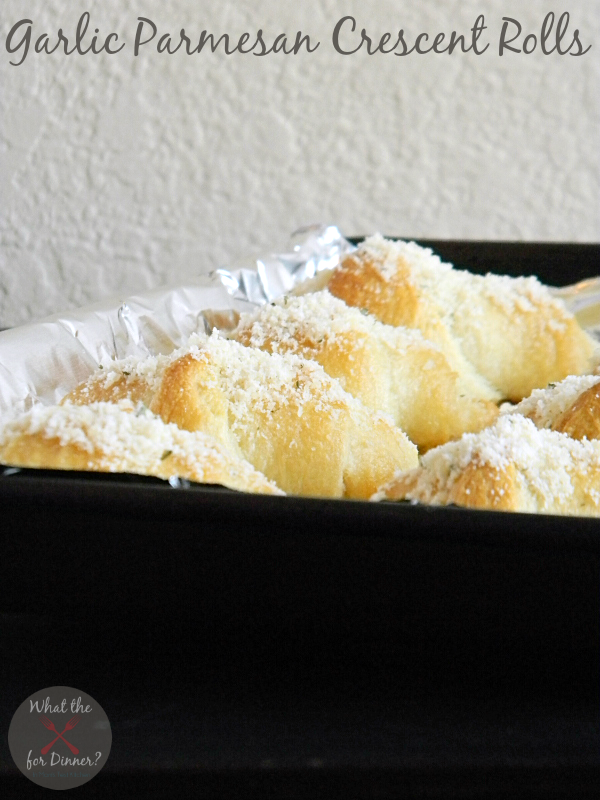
x=263, y=646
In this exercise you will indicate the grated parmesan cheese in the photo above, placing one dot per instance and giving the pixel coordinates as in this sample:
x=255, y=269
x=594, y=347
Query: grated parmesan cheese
x=544, y=406
x=323, y=317
x=547, y=463
x=255, y=379
x=455, y=288
x=121, y=437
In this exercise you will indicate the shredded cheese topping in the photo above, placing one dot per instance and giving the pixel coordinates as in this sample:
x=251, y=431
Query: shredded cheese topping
x=544, y=406
x=455, y=288
x=125, y=438
x=248, y=377
x=547, y=460
x=323, y=317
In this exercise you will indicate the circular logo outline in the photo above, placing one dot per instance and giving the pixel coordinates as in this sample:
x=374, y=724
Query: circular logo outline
x=60, y=737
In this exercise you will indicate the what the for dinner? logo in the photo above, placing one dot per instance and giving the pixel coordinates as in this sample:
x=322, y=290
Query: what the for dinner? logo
x=60, y=737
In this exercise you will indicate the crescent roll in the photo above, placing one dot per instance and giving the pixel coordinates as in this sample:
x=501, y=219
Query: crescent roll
x=571, y=406
x=103, y=437
x=284, y=415
x=393, y=370
x=511, y=331
x=511, y=466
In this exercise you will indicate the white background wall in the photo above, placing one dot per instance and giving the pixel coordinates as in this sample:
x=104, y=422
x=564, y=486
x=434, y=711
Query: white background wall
x=119, y=173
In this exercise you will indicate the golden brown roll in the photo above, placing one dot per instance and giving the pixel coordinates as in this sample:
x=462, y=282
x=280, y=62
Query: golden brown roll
x=509, y=330
x=571, y=406
x=285, y=415
x=582, y=419
x=393, y=370
x=511, y=466
x=106, y=437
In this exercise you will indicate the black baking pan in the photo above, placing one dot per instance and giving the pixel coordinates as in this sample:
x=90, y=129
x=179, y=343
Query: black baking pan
x=249, y=646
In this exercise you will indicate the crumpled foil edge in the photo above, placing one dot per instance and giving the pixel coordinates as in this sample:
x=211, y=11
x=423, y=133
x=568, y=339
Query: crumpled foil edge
x=43, y=361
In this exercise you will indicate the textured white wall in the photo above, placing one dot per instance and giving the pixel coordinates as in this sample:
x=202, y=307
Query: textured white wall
x=120, y=173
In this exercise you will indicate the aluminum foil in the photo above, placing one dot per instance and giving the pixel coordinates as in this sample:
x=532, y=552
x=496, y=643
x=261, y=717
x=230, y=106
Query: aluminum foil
x=44, y=361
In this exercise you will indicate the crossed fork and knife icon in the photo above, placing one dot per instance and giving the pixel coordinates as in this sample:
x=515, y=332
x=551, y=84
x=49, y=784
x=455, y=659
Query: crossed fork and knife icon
x=51, y=727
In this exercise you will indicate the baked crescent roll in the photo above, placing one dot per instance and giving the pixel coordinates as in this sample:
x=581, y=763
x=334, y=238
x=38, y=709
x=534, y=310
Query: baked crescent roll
x=393, y=370
x=512, y=331
x=284, y=415
x=571, y=406
x=103, y=437
x=511, y=466
x=582, y=419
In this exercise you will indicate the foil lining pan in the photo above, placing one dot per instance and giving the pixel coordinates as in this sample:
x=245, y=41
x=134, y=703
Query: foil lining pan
x=42, y=362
